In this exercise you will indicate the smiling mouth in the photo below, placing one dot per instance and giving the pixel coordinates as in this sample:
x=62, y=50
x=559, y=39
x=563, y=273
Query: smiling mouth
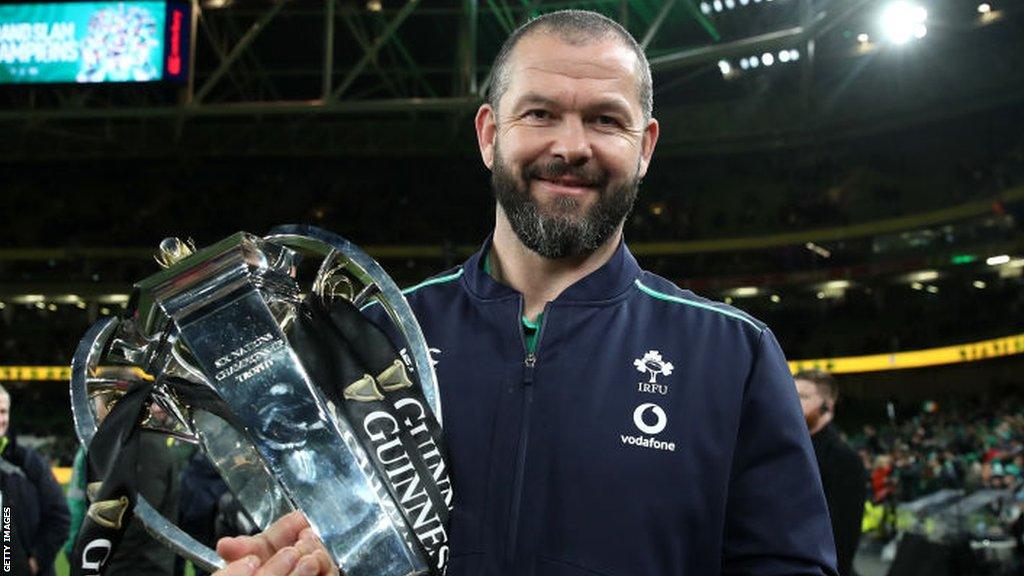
x=566, y=185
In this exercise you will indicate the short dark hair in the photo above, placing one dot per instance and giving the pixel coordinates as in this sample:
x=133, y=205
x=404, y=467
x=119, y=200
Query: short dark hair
x=824, y=381
x=575, y=27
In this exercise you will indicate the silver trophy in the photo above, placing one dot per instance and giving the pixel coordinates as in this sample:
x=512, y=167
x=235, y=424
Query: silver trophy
x=209, y=333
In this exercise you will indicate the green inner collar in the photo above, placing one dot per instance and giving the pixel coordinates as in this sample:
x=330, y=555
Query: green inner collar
x=530, y=329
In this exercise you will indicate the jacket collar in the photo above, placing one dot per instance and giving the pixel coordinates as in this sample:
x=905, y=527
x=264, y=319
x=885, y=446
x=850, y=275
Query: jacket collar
x=613, y=278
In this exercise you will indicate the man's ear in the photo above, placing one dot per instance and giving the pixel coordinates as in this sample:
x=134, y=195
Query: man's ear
x=486, y=131
x=647, y=144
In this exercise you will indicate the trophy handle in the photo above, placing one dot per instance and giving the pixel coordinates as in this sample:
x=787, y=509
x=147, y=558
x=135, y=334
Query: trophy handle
x=165, y=532
x=86, y=357
x=367, y=270
x=84, y=362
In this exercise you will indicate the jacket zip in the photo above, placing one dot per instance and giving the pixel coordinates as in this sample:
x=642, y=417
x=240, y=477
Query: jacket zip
x=529, y=364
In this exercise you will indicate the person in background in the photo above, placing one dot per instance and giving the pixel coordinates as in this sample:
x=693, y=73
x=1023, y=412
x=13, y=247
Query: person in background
x=77, y=502
x=842, y=471
x=39, y=513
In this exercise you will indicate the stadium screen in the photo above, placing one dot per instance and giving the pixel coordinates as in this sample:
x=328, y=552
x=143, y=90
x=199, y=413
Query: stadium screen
x=94, y=42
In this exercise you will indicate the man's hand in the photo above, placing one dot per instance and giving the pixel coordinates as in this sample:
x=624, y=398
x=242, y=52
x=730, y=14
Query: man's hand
x=287, y=548
x=33, y=565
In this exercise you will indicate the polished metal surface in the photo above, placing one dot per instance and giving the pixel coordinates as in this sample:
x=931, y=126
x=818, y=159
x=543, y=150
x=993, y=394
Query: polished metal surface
x=241, y=468
x=215, y=320
x=84, y=391
x=175, y=538
x=377, y=285
x=82, y=364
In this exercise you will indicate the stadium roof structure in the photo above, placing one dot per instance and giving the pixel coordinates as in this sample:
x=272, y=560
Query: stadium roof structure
x=403, y=77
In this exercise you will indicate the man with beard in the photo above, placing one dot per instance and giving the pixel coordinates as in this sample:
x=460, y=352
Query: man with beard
x=599, y=420
x=843, y=475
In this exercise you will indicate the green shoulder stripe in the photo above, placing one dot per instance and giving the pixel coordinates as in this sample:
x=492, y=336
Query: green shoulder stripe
x=432, y=281
x=669, y=298
x=424, y=284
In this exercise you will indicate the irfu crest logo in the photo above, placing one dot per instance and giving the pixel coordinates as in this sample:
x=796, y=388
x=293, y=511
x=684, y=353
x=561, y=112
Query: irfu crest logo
x=653, y=365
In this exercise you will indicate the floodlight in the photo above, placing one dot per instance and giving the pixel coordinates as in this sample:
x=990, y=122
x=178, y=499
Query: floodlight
x=902, y=20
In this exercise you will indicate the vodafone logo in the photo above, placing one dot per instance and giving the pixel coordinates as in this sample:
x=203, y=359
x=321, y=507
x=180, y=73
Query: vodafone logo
x=660, y=420
x=649, y=419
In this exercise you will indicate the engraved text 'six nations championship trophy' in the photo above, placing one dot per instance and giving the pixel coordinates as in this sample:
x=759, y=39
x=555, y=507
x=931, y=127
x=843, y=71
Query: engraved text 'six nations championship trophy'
x=296, y=397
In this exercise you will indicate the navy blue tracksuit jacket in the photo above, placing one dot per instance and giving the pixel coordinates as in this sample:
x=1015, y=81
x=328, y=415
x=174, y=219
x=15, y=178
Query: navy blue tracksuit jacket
x=652, y=432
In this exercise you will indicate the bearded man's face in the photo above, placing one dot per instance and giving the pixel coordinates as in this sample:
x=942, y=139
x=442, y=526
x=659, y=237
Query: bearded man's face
x=561, y=224
x=567, y=143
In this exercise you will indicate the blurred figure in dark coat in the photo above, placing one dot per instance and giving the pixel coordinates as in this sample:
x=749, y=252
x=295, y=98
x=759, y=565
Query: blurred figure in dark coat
x=842, y=473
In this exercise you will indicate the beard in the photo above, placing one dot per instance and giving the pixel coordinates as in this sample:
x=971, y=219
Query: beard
x=563, y=228
x=811, y=420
